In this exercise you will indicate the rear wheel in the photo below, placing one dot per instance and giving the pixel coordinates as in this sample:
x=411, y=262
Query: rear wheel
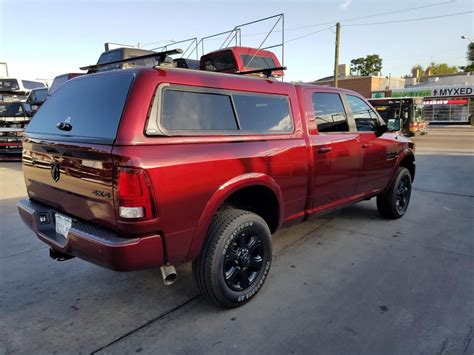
x=235, y=259
x=393, y=203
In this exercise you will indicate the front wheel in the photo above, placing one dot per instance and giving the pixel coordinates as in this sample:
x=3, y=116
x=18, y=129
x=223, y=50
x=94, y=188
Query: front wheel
x=235, y=259
x=393, y=203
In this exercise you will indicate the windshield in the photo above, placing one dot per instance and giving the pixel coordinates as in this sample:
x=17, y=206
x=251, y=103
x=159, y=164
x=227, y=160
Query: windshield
x=92, y=105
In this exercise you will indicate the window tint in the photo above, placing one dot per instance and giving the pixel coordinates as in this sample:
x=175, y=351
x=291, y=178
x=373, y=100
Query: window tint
x=184, y=110
x=329, y=113
x=92, y=104
x=257, y=62
x=364, y=116
x=28, y=84
x=223, y=61
x=38, y=95
x=260, y=113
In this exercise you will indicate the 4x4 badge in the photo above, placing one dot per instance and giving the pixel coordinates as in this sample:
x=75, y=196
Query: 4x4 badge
x=55, y=173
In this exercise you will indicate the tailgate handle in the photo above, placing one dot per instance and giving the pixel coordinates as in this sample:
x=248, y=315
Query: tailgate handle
x=64, y=126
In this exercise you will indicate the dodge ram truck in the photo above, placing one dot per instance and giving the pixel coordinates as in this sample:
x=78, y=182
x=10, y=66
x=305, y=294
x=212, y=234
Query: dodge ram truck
x=145, y=167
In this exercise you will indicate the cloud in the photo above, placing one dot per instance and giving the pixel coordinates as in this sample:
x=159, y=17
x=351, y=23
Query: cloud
x=345, y=4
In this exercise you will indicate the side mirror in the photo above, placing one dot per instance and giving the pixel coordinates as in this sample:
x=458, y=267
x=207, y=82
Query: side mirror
x=381, y=129
x=394, y=124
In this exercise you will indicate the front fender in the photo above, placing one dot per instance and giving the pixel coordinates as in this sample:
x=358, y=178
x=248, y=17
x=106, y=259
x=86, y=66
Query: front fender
x=218, y=198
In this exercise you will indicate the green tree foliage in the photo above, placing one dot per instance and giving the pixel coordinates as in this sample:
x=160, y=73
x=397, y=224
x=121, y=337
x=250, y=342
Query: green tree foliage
x=365, y=66
x=470, y=52
x=441, y=68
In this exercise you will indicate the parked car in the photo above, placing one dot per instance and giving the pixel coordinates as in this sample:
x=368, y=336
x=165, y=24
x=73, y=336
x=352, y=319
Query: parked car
x=61, y=79
x=14, y=116
x=173, y=165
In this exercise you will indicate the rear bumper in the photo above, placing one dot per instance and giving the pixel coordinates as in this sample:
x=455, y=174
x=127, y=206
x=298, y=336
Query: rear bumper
x=92, y=243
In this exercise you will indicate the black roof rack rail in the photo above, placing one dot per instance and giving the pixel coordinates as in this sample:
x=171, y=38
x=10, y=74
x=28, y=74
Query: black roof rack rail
x=161, y=56
x=265, y=71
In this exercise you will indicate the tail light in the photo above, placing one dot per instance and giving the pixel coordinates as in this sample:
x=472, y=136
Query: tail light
x=134, y=194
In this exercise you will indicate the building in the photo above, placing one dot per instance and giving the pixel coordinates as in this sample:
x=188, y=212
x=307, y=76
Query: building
x=446, y=99
x=374, y=86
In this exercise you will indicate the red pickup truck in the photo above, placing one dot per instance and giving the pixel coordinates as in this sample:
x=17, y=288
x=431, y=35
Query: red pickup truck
x=144, y=167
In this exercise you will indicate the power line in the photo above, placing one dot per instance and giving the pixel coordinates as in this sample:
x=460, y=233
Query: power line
x=309, y=34
x=334, y=21
x=409, y=20
x=373, y=15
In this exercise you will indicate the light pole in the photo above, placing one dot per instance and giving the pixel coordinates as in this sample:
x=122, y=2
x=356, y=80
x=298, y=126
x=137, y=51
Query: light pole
x=466, y=37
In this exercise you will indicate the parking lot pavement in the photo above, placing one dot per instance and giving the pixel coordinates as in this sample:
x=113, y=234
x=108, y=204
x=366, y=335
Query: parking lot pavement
x=346, y=283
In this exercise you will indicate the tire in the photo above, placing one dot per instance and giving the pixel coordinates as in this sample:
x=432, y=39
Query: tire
x=235, y=259
x=393, y=203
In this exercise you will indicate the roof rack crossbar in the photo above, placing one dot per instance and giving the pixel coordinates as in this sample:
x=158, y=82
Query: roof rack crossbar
x=161, y=56
x=265, y=71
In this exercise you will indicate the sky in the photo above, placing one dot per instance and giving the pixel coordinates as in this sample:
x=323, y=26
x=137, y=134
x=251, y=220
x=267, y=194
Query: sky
x=40, y=39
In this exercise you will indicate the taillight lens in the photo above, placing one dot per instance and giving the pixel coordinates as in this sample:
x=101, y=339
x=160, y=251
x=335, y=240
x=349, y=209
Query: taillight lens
x=134, y=195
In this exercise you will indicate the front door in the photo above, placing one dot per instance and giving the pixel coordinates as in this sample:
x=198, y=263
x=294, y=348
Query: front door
x=378, y=154
x=335, y=149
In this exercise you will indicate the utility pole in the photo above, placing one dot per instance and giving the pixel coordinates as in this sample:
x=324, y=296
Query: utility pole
x=336, y=56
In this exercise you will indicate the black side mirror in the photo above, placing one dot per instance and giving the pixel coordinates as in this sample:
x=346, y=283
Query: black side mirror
x=380, y=129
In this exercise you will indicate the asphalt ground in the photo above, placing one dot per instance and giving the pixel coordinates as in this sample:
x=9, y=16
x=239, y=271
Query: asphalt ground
x=350, y=282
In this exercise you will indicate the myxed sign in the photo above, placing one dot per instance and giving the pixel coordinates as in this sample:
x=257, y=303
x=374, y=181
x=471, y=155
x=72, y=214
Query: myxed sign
x=435, y=91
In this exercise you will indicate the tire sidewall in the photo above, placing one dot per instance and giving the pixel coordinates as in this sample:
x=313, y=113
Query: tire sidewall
x=249, y=223
x=401, y=174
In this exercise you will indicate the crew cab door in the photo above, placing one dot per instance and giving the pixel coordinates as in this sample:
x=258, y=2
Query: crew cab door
x=378, y=154
x=334, y=147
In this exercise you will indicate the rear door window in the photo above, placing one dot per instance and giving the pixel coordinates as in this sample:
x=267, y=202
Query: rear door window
x=329, y=112
x=92, y=105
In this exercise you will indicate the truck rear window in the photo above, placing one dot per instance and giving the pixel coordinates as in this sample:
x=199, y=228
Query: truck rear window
x=92, y=105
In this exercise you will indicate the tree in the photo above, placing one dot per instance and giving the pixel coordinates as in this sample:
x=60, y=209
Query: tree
x=470, y=52
x=365, y=66
x=470, y=57
x=441, y=68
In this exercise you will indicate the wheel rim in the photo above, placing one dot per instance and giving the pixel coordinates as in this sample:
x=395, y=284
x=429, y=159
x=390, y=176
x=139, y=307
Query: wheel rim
x=243, y=261
x=403, y=194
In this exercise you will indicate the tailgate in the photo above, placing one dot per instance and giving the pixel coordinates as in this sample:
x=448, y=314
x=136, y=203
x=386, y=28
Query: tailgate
x=74, y=179
x=67, y=147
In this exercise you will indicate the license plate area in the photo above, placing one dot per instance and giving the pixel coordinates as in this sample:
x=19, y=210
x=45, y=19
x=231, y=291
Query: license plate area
x=63, y=225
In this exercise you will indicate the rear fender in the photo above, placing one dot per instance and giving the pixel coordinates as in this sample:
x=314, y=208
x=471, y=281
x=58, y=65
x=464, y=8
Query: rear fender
x=218, y=198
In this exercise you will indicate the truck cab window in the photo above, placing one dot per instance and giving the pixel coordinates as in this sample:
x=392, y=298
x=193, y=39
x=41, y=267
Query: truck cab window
x=365, y=118
x=329, y=112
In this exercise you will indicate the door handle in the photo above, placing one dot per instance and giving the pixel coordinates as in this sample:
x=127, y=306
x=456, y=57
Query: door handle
x=366, y=145
x=324, y=149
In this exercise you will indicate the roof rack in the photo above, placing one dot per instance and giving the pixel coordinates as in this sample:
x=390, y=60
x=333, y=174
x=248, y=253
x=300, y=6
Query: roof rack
x=160, y=56
x=265, y=71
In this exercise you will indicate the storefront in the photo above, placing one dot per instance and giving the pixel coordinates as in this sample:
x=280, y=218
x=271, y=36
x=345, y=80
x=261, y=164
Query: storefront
x=443, y=104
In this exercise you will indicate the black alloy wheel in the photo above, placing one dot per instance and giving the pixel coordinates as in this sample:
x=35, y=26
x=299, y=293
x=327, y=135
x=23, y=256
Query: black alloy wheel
x=243, y=261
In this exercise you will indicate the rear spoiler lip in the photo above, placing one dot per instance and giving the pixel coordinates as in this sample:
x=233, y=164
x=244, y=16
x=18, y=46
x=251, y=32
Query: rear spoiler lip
x=160, y=55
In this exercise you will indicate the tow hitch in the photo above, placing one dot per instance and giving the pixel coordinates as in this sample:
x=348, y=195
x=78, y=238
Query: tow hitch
x=56, y=255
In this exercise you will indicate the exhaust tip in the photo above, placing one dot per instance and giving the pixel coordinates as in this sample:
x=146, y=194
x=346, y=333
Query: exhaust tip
x=169, y=275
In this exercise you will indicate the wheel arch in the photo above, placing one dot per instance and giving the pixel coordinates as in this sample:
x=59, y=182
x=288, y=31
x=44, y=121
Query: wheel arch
x=260, y=188
x=408, y=161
